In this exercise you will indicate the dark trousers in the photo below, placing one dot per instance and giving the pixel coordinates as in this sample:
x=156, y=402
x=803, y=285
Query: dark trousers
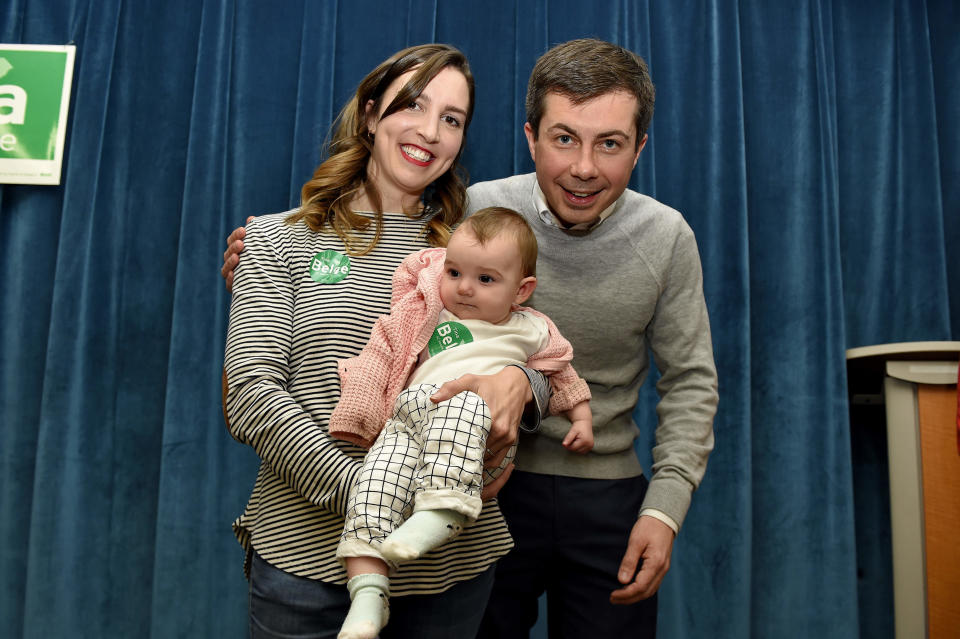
x=570, y=537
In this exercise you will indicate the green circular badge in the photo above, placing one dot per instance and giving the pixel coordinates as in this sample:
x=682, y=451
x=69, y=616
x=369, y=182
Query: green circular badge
x=447, y=335
x=329, y=267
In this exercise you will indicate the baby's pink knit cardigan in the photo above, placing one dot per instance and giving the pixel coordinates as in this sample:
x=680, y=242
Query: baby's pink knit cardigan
x=370, y=382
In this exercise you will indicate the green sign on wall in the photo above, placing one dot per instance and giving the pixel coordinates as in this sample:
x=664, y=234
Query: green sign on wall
x=34, y=96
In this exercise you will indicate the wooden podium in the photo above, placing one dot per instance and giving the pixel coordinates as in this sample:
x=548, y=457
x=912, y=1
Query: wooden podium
x=917, y=382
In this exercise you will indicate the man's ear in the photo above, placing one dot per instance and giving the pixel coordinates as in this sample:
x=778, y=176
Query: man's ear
x=640, y=146
x=527, y=286
x=531, y=141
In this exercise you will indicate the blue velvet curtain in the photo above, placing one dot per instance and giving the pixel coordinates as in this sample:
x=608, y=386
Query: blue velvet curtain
x=812, y=145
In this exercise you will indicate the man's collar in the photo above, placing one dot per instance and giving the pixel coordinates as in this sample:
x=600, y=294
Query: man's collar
x=549, y=217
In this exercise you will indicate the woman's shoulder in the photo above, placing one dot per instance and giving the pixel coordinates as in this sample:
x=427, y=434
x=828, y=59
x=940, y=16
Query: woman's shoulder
x=273, y=243
x=276, y=229
x=272, y=223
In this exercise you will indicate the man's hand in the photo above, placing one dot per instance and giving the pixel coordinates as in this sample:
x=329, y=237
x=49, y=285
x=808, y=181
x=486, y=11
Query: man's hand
x=506, y=393
x=652, y=541
x=231, y=257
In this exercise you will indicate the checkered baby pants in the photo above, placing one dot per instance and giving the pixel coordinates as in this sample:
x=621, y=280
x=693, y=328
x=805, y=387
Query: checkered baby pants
x=428, y=456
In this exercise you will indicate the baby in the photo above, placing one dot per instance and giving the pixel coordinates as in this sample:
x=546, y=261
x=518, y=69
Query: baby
x=454, y=311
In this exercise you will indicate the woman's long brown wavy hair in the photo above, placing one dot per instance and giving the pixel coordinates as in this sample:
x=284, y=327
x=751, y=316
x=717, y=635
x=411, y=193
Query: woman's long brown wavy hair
x=326, y=197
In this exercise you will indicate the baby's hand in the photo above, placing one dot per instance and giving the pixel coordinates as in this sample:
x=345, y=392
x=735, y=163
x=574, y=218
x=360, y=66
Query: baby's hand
x=579, y=438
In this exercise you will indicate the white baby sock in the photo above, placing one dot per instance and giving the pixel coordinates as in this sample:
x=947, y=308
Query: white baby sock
x=424, y=531
x=369, y=607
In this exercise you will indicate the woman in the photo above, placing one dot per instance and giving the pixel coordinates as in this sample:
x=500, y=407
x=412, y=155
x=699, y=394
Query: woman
x=308, y=290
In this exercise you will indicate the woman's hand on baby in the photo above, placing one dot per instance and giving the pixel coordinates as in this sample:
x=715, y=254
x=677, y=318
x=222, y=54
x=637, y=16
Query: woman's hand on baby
x=505, y=393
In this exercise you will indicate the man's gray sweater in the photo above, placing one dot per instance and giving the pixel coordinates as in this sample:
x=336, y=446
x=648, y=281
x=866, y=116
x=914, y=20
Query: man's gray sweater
x=632, y=282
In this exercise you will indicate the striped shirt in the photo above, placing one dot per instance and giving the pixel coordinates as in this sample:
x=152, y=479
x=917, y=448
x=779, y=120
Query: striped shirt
x=298, y=306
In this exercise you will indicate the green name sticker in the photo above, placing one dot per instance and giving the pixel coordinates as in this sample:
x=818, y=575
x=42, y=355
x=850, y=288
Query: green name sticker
x=329, y=267
x=448, y=335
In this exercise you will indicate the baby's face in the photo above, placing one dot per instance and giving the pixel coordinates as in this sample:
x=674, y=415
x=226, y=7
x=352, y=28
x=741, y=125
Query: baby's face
x=482, y=282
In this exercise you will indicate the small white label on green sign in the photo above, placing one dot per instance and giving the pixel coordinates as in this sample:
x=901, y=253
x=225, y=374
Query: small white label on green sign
x=35, y=85
x=447, y=335
x=329, y=267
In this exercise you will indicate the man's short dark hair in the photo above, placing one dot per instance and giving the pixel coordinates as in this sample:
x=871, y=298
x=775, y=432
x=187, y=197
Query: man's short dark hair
x=584, y=69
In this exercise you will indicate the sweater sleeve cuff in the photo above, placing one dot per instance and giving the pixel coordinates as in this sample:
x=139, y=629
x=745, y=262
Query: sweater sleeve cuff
x=664, y=517
x=533, y=412
x=670, y=494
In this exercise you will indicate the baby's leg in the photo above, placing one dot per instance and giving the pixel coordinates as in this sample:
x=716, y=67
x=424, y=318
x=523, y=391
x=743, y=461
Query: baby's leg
x=371, y=515
x=369, y=598
x=449, y=479
x=383, y=494
x=381, y=498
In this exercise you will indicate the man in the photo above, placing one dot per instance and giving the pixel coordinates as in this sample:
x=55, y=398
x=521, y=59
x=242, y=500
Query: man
x=618, y=273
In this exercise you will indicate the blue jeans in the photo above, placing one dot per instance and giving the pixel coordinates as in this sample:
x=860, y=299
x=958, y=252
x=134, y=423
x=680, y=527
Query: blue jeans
x=285, y=605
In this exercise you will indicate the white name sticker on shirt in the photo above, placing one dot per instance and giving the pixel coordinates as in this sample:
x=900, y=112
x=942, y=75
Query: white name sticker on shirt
x=447, y=335
x=329, y=267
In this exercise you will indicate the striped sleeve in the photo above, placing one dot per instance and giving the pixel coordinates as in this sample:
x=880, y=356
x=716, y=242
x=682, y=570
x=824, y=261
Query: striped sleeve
x=260, y=410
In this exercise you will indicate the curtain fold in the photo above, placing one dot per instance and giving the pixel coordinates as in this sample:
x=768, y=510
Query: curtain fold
x=812, y=146
x=704, y=175
x=73, y=473
x=942, y=21
x=801, y=481
x=190, y=515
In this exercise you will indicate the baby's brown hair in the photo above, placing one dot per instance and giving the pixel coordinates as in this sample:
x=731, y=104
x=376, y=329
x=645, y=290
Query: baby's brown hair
x=490, y=222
